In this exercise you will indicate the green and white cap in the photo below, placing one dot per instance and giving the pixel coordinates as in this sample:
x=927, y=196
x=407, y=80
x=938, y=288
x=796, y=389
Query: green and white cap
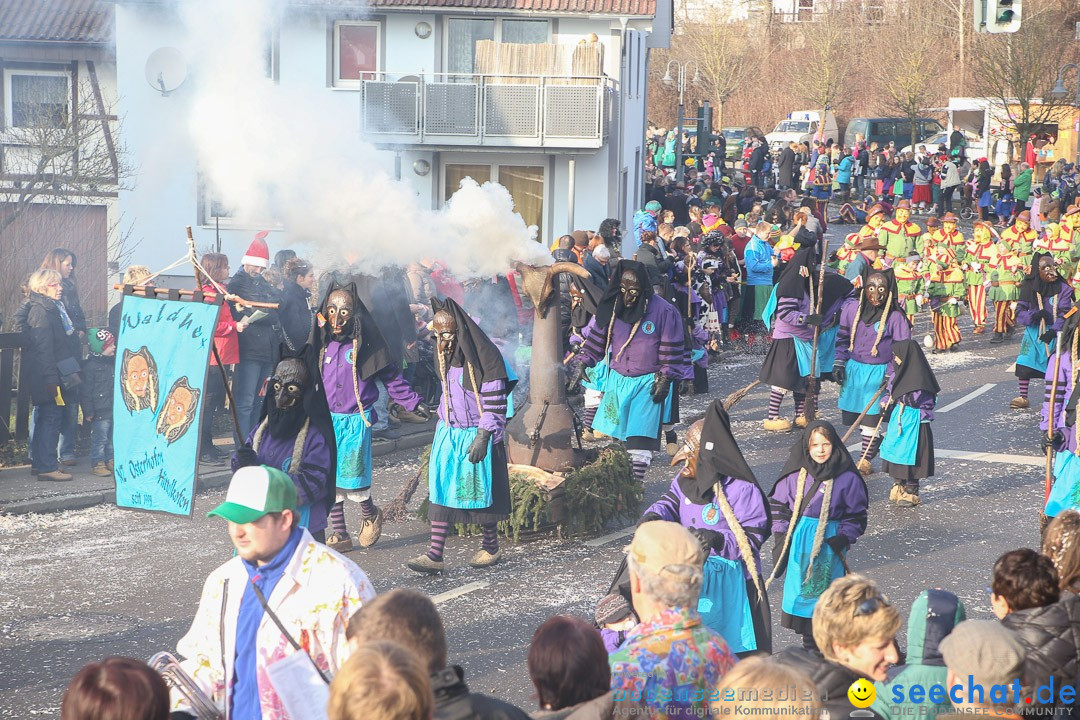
x=255, y=491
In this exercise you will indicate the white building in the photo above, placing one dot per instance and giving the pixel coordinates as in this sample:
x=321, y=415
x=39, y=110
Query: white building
x=409, y=74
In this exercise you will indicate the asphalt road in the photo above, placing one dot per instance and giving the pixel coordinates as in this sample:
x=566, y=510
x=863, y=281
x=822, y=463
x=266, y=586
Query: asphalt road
x=83, y=585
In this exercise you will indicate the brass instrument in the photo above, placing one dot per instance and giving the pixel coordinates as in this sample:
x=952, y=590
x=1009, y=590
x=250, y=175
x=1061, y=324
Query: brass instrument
x=166, y=665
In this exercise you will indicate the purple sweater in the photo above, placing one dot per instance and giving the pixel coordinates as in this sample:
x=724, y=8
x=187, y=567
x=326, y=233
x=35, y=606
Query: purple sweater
x=791, y=317
x=460, y=399
x=657, y=346
x=337, y=373
x=896, y=329
x=1064, y=388
x=848, y=507
x=1025, y=312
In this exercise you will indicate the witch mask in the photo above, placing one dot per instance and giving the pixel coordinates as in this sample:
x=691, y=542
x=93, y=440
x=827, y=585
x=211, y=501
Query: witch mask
x=1048, y=269
x=688, y=453
x=876, y=289
x=289, y=383
x=340, y=312
x=629, y=288
x=446, y=331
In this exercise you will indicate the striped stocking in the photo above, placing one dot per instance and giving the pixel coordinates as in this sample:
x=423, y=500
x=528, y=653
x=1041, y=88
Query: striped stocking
x=491, y=537
x=1024, y=388
x=439, y=530
x=337, y=518
x=776, y=396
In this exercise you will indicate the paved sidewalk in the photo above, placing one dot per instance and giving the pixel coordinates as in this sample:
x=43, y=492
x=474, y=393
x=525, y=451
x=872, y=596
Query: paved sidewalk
x=22, y=493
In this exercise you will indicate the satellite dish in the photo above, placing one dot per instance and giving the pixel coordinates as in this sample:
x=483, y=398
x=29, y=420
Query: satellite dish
x=166, y=70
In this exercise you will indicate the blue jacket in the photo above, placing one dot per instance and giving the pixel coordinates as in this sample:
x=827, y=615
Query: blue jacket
x=843, y=170
x=643, y=221
x=758, y=261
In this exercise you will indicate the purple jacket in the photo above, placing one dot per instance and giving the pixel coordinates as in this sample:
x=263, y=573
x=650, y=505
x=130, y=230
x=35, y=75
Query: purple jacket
x=1064, y=388
x=791, y=315
x=747, y=502
x=848, y=507
x=896, y=329
x=657, y=346
x=1025, y=312
x=461, y=401
x=337, y=373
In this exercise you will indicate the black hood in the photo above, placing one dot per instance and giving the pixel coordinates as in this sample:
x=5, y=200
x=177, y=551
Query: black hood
x=591, y=295
x=372, y=351
x=799, y=458
x=1034, y=284
x=611, y=302
x=718, y=457
x=797, y=275
x=868, y=314
x=911, y=372
x=474, y=346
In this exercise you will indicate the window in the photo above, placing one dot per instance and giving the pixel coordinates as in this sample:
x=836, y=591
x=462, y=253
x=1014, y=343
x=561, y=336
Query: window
x=525, y=184
x=880, y=129
x=356, y=52
x=463, y=34
x=804, y=10
x=37, y=98
x=874, y=11
x=214, y=211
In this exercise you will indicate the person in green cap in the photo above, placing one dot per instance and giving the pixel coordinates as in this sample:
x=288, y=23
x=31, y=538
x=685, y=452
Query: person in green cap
x=283, y=593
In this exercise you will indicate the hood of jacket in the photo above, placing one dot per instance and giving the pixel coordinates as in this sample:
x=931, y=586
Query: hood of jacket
x=831, y=679
x=933, y=616
x=599, y=708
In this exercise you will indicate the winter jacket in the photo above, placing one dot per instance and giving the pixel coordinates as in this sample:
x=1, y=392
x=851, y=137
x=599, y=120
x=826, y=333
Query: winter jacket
x=600, y=273
x=786, y=167
x=70, y=297
x=843, y=170
x=831, y=679
x=260, y=340
x=599, y=708
x=453, y=701
x=657, y=266
x=49, y=345
x=758, y=260
x=924, y=173
x=226, y=339
x=1022, y=186
x=643, y=221
x=1051, y=654
x=295, y=314
x=950, y=175
x=757, y=158
x=97, y=387
x=983, y=182
x=933, y=616
x=22, y=318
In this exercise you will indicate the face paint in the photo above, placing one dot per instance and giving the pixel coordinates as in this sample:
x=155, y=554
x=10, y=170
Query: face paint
x=446, y=330
x=876, y=289
x=1022, y=226
x=1047, y=269
x=630, y=288
x=290, y=382
x=339, y=312
x=688, y=453
x=138, y=375
x=902, y=215
x=948, y=227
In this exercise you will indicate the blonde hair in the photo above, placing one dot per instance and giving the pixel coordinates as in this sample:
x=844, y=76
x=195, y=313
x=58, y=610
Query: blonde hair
x=381, y=681
x=41, y=279
x=763, y=684
x=1061, y=544
x=136, y=275
x=836, y=623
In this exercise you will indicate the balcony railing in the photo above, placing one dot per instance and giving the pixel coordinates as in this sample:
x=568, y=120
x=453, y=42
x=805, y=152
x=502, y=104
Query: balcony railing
x=488, y=110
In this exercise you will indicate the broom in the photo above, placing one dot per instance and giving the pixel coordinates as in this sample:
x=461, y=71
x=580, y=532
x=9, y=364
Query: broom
x=735, y=397
x=397, y=509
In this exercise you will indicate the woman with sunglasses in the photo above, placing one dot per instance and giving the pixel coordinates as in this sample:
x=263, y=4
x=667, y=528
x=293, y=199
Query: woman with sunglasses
x=819, y=511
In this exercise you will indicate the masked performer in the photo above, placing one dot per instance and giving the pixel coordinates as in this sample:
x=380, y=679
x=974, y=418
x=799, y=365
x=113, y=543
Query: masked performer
x=1045, y=298
x=787, y=364
x=910, y=285
x=945, y=287
x=468, y=481
x=296, y=435
x=716, y=497
x=352, y=356
x=869, y=325
x=640, y=335
x=980, y=251
x=908, y=448
x=819, y=510
x=1006, y=273
x=1063, y=438
x=867, y=235
x=584, y=298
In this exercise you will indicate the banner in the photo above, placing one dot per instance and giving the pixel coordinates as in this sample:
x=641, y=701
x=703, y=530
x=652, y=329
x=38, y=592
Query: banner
x=162, y=359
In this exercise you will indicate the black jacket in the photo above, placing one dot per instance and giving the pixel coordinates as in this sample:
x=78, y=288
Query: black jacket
x=49, y=345
x=453, y=701
x=295, y=314
x=261, y=339
x=757, y=158
x=656, y=266
x=1047, y=636
x=785, y=166
x=831, y=679
x=70, y=298
x=97, y=387
x=600, y=273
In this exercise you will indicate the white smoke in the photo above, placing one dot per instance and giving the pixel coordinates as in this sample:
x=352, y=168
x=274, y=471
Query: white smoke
x=292, y=154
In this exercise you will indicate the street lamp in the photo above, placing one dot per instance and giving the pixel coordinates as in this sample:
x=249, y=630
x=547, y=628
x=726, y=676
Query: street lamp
x=679, y=82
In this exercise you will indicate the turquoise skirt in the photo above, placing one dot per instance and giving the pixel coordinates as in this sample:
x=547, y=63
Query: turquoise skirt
x=594, y=377
x=1032, y=352
x=1065, y=493
x=800, y=595
x=826, y=352
x=862, y=383
x=453, y=481
x=901, y=443
x=627, y=409
x=353, y=437
x=724, y=604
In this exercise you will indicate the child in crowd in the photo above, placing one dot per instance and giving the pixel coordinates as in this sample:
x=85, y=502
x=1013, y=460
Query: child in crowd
x=614, y=618
x=97, y=398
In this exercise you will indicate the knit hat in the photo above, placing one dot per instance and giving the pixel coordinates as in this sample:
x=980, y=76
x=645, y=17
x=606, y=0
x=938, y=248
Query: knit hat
x=99, y=339
x=986, y=650
x=611, y=608
x=255, y=491
x=258, y=254
x=653, y=207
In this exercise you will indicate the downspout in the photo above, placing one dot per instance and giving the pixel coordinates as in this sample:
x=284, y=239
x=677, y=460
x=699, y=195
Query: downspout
x=622, y=203
x=571, y=189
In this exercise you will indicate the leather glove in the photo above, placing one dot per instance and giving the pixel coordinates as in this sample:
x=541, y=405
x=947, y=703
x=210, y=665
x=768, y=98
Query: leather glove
x=1043, y=315
x=649, y=517
x=575, y=375
x=1057, y=442
x=838, y=543
x=709, y=540
x=246, y=456
x=423, y=411
x=661, y=385
x=812, y=320
x=839, y=373
x=1047, y=337
x=479, y=448
x=421, y=414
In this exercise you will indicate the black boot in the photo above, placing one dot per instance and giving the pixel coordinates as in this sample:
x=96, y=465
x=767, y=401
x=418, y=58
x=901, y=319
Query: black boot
x=998, y=338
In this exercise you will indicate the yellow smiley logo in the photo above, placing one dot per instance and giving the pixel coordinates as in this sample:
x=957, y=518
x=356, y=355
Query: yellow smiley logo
x=862, y=693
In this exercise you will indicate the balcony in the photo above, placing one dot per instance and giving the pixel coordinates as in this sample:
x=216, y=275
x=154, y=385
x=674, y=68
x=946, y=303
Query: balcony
x=507, y=111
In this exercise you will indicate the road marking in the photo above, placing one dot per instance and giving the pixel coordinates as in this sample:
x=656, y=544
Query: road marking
x=458, y=592
x=1033, y=460
x=968, y=398
x=605, y=539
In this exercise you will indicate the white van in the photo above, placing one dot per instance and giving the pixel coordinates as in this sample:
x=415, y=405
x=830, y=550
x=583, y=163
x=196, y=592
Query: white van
x=802, y=126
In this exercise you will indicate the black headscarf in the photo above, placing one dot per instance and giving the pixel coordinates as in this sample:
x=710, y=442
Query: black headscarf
x=474, y=346
x=870, y=314
x=373, y=352
x=611, y=302
x=1034, y=283
x=718, y=457
x=838, y=463
x=837, y=288
x=911, y=372
x=590, y=299
x=800, y=271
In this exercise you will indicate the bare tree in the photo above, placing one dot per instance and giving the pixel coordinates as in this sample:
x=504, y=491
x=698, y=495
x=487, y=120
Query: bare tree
x=824, y=76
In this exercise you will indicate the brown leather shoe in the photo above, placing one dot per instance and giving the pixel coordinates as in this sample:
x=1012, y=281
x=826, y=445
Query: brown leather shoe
x=339, y=541
x=370, y=529
x=55, y=476
x=1019, y=403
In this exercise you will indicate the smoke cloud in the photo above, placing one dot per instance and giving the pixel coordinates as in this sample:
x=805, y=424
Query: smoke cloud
x=292, y=154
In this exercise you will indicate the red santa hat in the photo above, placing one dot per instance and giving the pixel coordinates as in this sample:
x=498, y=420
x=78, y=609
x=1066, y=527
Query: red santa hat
x=258, y=254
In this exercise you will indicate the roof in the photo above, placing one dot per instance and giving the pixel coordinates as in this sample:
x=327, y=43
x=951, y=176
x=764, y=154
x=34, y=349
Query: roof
x=575, y=7
x=75, y=21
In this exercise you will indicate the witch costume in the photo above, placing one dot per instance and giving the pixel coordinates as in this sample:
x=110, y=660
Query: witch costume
x=720, y=501
x=908, y=447
x=1041, y=310
x=818, y=511
x=352, y=356
x=468, y=479
x=1063, y=438
x=864, y=357
x=295, y=435
x=584, y=299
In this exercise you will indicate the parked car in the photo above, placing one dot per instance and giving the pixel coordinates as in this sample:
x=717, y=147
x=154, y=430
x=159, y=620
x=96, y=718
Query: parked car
x=734, y=137
x=939, y=142
x=885, y=130
x=802, y=126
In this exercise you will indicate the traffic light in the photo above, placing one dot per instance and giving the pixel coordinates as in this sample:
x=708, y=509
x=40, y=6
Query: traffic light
x=704, y=129
x=998, y=16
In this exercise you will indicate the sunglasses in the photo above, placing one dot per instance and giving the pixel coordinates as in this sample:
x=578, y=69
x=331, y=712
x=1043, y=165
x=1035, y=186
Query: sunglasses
x=870, y=605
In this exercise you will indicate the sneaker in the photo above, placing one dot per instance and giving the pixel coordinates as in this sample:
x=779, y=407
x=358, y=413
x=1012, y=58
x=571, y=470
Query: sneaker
x=1019, y=403
x=777, y=425
x=801, y=421
x=424, y=564
x=485, y=559
x=101, y=469
x=907, y=499
x=894, y=494
x=370, y=529
x=70, y=462
x=864, y=467
x=55, y=476
x=340, y=542
x=109, y=464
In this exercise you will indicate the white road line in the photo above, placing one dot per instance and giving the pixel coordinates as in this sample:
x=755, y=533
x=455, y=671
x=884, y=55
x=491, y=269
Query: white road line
x=967, y=398
x=605, y=539
x=458, y=592
x=1033, y=460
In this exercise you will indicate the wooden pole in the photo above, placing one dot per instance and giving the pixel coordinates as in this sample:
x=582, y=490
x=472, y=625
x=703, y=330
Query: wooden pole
x=1050, y=420
x=208, y=295
x=866, y=409
x=813, y=385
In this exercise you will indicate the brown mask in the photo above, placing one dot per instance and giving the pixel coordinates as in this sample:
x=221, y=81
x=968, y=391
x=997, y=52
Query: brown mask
x=289, y=383
x=629, y=288
x=340, y=312
x=688, y=453
x=1048, y=269
x=446, y=331
x=876, y=289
